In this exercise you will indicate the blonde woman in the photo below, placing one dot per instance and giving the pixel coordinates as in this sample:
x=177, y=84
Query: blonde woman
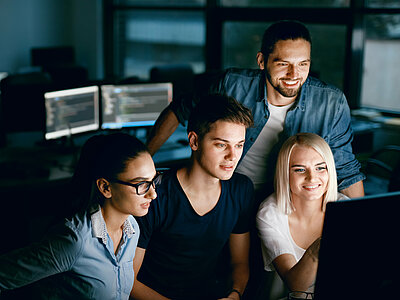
x=290, y=220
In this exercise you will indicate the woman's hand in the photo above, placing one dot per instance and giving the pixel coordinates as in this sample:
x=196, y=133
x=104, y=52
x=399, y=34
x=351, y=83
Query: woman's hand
x=313, y=250
x=298, y=276
x=232, y=296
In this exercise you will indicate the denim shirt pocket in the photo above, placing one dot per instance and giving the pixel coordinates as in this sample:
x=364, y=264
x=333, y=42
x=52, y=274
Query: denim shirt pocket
x=127, y=276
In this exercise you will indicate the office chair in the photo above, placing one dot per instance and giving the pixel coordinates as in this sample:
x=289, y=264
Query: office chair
x=22, y=101
x=383, y=170
x=60, y=63
x=181, y=76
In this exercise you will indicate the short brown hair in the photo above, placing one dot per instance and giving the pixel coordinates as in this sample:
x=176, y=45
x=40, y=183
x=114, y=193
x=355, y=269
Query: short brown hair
x=216, y=107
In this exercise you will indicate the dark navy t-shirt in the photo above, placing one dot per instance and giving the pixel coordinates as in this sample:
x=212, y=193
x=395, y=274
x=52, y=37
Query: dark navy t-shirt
x=182, y=248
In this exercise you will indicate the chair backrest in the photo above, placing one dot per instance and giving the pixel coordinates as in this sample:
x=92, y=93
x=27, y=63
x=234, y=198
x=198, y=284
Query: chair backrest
x=59, y=62
x=385, y=165
x=181, y=76
x=51, y=56
x=383, y=162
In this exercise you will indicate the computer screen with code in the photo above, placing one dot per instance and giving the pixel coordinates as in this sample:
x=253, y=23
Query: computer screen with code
x=133, y=105
x=71, y=111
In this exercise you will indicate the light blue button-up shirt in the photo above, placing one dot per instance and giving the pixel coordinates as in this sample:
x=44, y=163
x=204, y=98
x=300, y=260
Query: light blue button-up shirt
x=76, y=261
x=321, y=109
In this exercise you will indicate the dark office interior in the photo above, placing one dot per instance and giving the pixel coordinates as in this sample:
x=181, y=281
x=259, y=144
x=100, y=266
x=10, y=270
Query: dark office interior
x=52, y=45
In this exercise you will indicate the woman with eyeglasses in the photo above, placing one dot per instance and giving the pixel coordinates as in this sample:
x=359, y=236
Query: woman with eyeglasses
x=290, y=220
x=90, y=255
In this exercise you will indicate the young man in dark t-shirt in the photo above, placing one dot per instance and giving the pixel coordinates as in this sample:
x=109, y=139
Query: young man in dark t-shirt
x=202, y=215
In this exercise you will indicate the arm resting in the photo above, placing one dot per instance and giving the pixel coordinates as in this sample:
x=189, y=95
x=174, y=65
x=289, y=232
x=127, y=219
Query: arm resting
x=356, y=190
x=164, y=127
x=301, y=275
x=239, y=245
x=141, y=291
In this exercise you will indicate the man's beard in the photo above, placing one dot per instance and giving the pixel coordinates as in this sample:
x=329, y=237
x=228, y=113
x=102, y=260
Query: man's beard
x=285, y=92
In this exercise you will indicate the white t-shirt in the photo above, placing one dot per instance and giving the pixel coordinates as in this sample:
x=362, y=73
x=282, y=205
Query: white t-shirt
x=274, y=232
x=255, y=163
x=273, y=228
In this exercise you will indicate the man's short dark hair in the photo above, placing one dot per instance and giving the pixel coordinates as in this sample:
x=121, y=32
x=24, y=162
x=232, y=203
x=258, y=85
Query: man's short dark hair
x=282, y=31
x=216, y=107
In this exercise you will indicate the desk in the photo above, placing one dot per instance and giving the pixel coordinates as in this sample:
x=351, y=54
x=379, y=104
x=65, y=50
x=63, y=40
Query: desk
x=375, y=132
x=33, y=165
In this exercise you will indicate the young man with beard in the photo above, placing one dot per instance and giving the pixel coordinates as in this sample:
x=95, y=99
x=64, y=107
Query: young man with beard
x=284, y=100
x=202, y=215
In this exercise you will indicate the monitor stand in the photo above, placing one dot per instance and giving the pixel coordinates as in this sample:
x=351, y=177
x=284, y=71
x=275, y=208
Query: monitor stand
x=63, y=146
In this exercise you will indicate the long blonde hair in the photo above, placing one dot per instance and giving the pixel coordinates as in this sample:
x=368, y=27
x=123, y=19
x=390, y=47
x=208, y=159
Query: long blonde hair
x=282, y=187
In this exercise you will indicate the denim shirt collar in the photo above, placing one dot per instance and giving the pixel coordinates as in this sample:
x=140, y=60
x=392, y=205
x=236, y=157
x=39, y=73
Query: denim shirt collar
x=99, y=229
x=301, y=101
x=262, y=92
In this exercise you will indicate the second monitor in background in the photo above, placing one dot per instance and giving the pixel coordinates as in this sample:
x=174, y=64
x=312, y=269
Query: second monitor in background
x=133, y=105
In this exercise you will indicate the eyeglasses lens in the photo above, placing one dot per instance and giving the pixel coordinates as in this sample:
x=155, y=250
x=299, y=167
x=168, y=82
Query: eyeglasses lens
x=143, y=188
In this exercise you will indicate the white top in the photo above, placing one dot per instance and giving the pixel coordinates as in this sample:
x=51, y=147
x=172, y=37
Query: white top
x=255, y=163
x=274, y=232
x=273, y=228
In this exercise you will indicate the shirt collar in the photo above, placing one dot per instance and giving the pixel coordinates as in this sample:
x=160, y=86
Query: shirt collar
x=99, y=228
x=301, y=100
x=262, y=88
x=128, y=228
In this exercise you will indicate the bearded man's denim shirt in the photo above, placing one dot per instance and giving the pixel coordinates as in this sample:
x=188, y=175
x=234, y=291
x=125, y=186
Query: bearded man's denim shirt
x=321, y=109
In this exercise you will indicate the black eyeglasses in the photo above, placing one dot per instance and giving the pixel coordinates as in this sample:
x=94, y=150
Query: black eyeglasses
x=143, y=186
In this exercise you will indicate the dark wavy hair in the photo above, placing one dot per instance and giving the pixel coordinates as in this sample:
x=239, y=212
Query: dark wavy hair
x=282, y=31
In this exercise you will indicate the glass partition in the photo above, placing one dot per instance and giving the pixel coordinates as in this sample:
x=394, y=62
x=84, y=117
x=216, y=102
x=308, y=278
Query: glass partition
x=161, y=2
x=383, y=3
x=242, y=41
x=148, y=38
x=380, y=79
x=286, y=3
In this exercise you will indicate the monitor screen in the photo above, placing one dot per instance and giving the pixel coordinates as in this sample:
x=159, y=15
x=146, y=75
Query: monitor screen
x=71, y=111
x=133, y=105
x=358, y=253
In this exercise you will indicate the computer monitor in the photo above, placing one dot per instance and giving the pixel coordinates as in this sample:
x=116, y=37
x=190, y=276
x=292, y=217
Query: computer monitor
x=3, y=75
x=133, y=105
x=358, y=256
x=71, y=111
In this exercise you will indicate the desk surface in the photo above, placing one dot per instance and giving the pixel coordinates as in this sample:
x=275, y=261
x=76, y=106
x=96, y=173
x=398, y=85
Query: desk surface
x=364, y=119
x=33, y=165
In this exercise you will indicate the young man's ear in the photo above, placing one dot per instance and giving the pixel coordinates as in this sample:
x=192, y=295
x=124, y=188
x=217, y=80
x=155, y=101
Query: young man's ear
x=104, y=187
x=193, y=140
x=261, y=60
